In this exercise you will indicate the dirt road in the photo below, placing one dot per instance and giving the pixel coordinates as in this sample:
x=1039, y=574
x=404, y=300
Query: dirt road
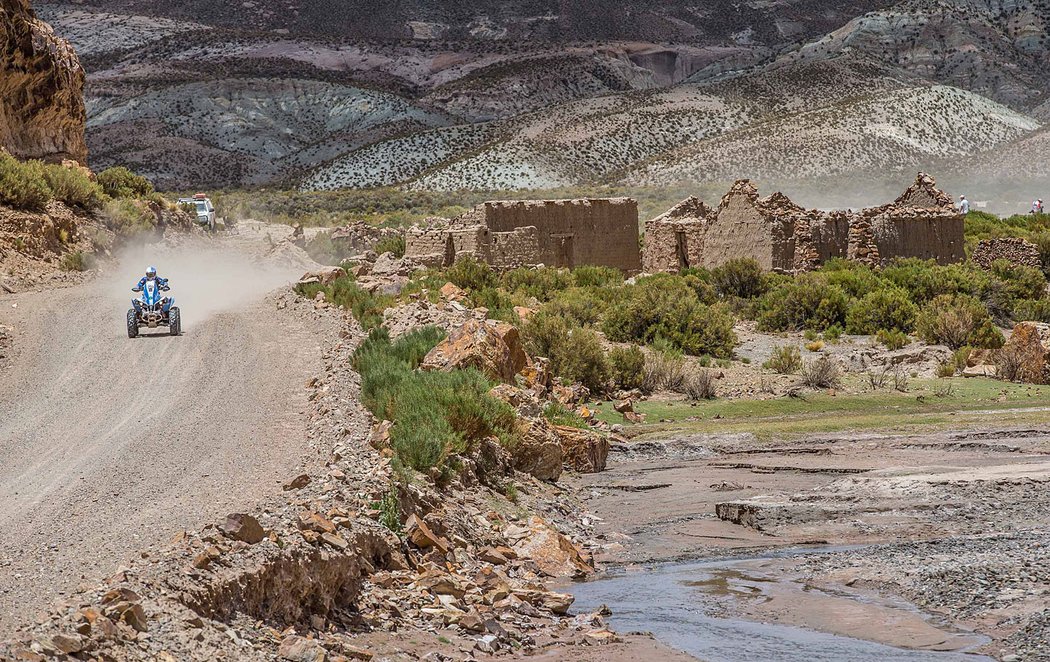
x=109, y=445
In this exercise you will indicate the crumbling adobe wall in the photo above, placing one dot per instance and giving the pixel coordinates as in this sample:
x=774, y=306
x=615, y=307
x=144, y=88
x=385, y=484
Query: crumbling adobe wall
x=675, y=240
x=440, y=247
x=571, y=233
x=741, y=229
x=517, y=248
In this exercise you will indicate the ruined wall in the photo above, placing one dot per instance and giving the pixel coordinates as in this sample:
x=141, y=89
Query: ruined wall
x=440, y=247
x=517, y=248
x=1012, y=249
x=574, y=232
x=41, y=89
x=671, y=246
x=741, y=230
x=926, y=234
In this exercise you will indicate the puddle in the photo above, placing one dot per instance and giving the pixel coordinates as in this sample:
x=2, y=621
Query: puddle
x=693, y=607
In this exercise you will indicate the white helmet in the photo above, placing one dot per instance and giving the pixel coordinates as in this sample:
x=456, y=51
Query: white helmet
x=151, y=272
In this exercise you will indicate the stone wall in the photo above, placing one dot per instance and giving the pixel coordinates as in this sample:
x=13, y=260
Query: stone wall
x=1013, y=249
x=517, y=248
x=675, y=240
x=41, y=89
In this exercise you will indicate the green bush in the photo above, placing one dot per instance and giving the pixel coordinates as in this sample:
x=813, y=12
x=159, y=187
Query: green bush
x=541, y=283
x=807, y=302
x=786, y=360
x=435, y=414
x=581, y=305
x=627, y=365
x=74, y=188
x=592, y=276
x=1022, y=282
x=558, y=414
x=889, y=309
x=575, y=353
x=394, y=244
x=75, y=261
x=469, y=274
x=739, y=277
x=23, y=185
x=833, y=333
x=854, y=278
x=892, y=339
x=1029, y=310
x=958, y=321
x=345, y=293
x=119, y=182
x=924, y=280
x=128, y=217
x=667, y=308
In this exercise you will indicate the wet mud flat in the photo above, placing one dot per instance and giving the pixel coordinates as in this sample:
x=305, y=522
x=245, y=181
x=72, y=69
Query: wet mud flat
x=935, y=544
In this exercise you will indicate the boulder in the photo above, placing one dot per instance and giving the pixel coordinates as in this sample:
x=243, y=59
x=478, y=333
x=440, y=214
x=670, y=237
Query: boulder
x=301, y=649
x=509, y=334
x=539, y=453
x=243, y=527
x=450, y=292
x=1024, y=357
x=553, y=553
x=473, y=345
x=585, y=451
x=526, y=403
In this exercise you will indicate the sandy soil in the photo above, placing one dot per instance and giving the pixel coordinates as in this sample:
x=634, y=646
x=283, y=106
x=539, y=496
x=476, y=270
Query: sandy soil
x=110, y=445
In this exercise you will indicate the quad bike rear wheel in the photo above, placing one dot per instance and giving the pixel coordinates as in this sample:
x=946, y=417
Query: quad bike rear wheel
x=133, y=324
x=174, y=321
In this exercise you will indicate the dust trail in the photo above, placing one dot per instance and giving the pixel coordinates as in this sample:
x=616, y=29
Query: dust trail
x=205, y=279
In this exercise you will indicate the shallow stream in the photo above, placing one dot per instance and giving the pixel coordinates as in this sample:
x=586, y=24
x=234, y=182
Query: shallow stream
x=696, y=607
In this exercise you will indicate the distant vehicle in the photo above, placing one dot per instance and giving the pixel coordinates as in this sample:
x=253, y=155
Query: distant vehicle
x=153, y=309
x=205, y=210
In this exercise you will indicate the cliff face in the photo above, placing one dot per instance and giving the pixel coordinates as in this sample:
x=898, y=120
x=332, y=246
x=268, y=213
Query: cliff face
x=41, y=89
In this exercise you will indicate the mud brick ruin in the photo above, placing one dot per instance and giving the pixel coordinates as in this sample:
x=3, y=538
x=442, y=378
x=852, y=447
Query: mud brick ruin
x=555, y=233
x=1014, y=250
x=785, y=237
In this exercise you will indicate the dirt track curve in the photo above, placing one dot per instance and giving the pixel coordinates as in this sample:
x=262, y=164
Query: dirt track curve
x=110, y=445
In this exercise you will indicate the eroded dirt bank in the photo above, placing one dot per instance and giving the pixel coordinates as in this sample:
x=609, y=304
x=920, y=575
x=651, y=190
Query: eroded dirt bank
x=955, y=523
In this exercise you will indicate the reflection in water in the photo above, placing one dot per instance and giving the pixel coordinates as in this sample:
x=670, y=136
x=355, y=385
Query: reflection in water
x=675, y=603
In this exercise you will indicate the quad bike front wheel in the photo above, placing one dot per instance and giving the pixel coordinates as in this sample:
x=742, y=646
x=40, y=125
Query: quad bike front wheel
x=174, y=321
x=133, y=324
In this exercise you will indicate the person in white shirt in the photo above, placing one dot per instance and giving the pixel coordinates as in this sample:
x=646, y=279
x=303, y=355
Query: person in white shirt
x=1037, y=207
x=964, y=205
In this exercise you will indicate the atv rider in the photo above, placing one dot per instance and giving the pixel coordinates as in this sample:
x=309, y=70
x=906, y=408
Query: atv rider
x=151, y=274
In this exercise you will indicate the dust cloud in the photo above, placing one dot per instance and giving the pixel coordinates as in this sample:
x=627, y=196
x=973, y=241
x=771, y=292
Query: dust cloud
x=204, y=279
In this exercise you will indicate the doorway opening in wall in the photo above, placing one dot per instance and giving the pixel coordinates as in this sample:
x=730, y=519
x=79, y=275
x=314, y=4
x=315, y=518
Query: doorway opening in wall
x=450, y=252
x=563, y=250
x=680, y=250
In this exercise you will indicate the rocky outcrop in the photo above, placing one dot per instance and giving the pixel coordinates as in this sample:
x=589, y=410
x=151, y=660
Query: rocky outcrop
x=41, y=89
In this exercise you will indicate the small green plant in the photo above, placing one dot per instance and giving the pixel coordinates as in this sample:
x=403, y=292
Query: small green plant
x=469, y=274
x=739, y=277
x=946, y=369
x=23, y=184
x=810, y=335
x=700, y=384
x=75, y=261
x=957, y=321
x=821, y=373
x=120, y=182
x=892, y=340
x=390, y=510
x=785, y=360
x=128, y=217
x=833, y=333
x=815, y=346
x=74, y=187
x=558, y=414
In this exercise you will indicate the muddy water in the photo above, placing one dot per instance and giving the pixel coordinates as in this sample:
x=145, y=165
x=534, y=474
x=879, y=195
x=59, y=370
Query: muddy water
x=741, y=611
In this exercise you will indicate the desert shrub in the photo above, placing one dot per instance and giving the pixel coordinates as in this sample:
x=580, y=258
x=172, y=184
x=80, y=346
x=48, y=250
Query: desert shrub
x=957, y=321
x=1022, y=282
x=807, y=302
x=854, y=278
x=23, y=184
x=700, y=384
x=582, y=360
x=815, y=346
x=497, y=302
x=821, y=373
x=128, y=217
x=668, y=308
x=558, y=414
x=833, y=333
x=470, y=274
x=541, y=283
x=924, y=280
x=887, y=309
x=582, y=305
x=575, y=353
x=73, y=187
x=592, y=276
x=393, y=244
x=785, y=359
x=75, y=261
x=665, y=369
x=627, y=365
x=892, y=339
x=739, y=277
x=1042, y=241
x=945, y=369
x=435, y=414
x=1029, y=310
x=119, y=182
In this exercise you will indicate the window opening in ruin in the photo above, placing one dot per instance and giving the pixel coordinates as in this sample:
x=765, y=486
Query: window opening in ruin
x=680, y=250
x=450, y=252
x=563, y=250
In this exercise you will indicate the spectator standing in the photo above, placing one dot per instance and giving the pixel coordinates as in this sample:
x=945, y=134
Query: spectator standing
x=964, y=205
x=1037, y=207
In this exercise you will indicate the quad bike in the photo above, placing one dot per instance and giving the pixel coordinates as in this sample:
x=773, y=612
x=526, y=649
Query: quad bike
x=153, y=310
